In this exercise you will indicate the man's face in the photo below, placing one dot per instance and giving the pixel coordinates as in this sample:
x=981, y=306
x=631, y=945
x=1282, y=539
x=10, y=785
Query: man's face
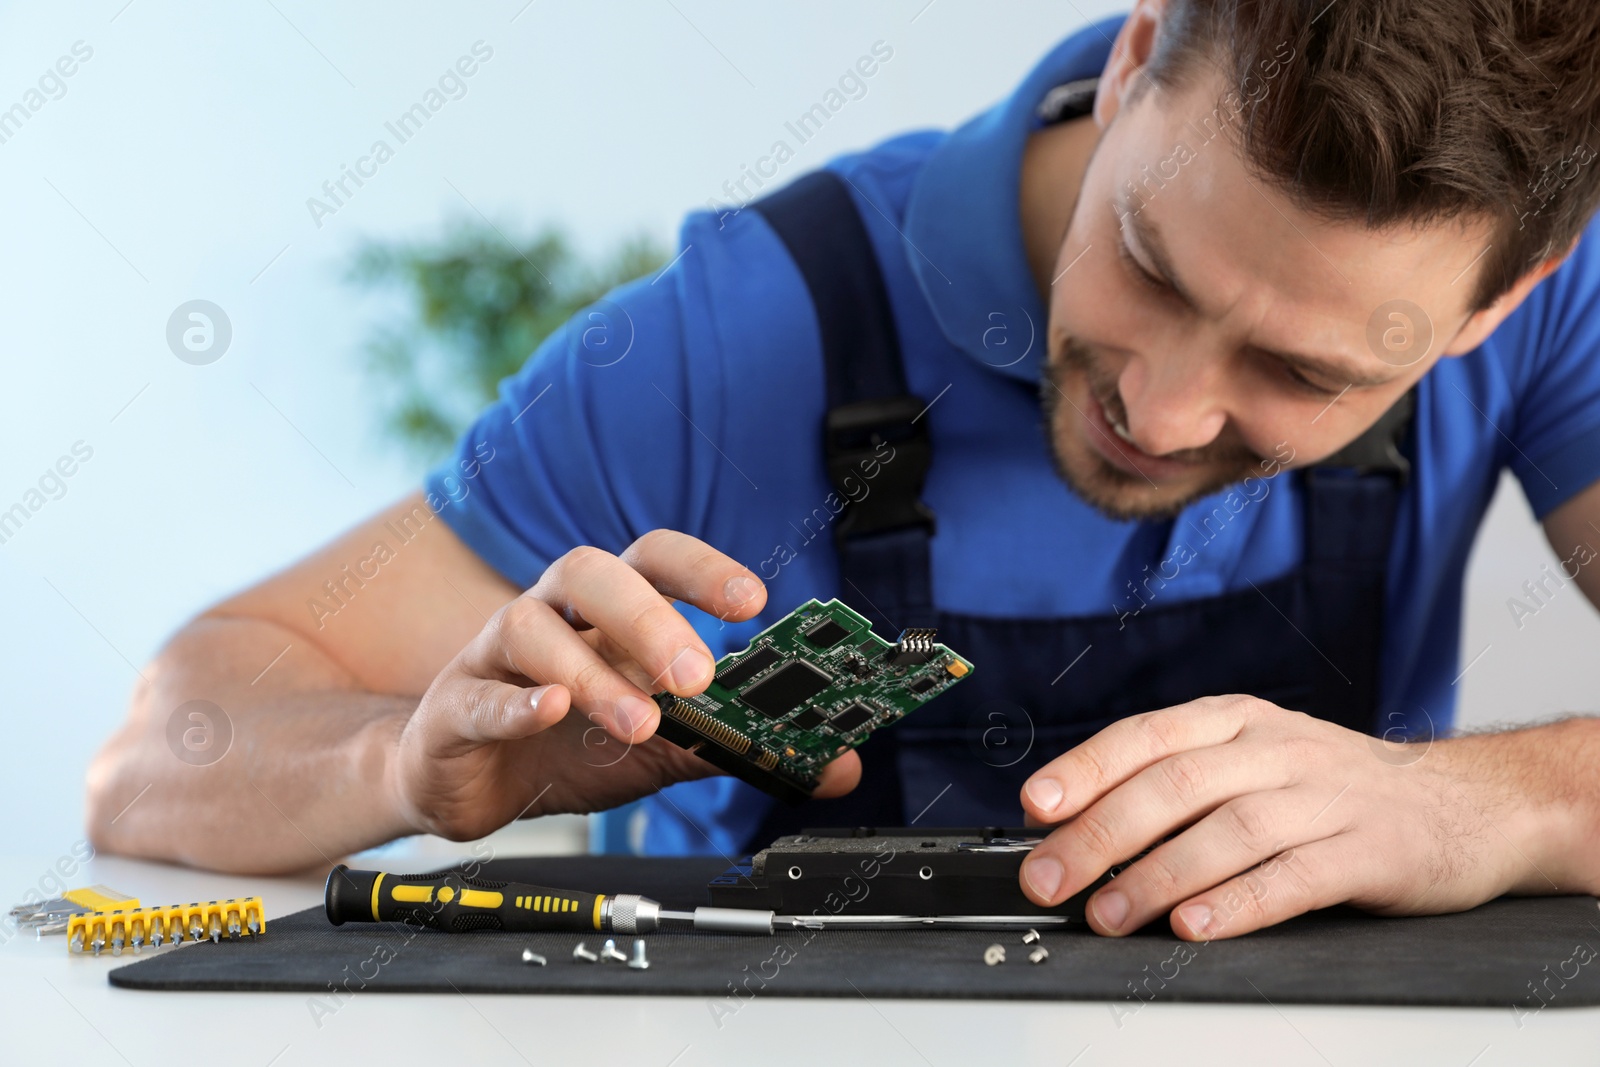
x=1201, y=321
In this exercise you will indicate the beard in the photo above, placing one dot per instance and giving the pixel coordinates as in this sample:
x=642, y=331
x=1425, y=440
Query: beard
x=1117, y=493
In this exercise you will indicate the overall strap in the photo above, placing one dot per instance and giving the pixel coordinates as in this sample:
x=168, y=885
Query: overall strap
x=872, y=436
x=1351, y=502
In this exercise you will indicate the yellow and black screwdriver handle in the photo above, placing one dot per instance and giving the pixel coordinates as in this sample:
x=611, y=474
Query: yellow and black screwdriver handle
x=457, y=904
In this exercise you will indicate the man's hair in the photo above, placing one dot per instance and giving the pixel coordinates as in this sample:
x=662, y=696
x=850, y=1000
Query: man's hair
x=1418, y=111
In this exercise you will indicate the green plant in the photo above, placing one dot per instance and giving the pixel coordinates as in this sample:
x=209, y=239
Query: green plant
x=478, y=304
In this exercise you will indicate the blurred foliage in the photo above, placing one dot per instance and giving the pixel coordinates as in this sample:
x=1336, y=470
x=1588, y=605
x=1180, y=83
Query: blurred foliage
x=479, y=302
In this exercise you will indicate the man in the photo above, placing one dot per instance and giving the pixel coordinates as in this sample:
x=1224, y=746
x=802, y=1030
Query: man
x=1284, y=289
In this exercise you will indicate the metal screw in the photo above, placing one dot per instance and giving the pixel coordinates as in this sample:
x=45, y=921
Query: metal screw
x=582, y=953
x=1030, y=937
x=1039, y=955
x=609, y=951
x=530, y=956
x=639, y=963
x=994, y=954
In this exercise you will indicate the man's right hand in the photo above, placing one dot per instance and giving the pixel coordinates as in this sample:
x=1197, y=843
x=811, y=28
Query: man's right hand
x=393, y=683
x=548, y=709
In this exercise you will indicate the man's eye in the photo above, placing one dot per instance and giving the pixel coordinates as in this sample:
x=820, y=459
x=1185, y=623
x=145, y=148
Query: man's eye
x=1142, y=276
x=1302, y=382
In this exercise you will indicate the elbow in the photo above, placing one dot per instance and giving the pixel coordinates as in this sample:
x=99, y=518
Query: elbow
x=109, y=795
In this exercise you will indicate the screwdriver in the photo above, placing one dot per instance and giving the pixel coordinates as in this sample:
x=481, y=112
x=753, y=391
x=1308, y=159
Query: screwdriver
x=456, y=904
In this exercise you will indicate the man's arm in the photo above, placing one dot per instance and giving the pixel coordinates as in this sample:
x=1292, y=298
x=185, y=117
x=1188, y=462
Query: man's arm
x=407, y=701
x=314, y=702
x=1273, y=813
x=1573, y=530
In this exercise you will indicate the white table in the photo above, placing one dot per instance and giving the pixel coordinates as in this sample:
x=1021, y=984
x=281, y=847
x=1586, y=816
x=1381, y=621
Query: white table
x=59, y=1009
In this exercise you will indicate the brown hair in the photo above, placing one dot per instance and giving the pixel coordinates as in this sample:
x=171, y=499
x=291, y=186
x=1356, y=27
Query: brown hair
x=1394, y=111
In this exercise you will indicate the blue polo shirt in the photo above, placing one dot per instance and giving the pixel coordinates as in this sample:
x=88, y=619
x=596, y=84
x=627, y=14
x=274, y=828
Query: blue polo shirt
x=692, y=400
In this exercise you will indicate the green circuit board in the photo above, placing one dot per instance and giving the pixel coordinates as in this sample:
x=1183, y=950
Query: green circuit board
x=808, y=688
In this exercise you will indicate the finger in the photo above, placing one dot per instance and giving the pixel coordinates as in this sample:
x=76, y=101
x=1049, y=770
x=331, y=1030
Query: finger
x=1235, y=837
x=839, y=777
x=1317, y=875
x=1070, y=783
x=591, y=586
x=486, y=711
x=1168, y=794
x=528, y=639
x=686, y=568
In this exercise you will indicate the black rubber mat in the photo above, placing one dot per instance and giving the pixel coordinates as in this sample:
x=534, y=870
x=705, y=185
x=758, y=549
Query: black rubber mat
x=1525, y=954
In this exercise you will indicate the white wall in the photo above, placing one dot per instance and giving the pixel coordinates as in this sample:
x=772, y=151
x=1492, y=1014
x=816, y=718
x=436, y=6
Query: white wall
x=177, y=166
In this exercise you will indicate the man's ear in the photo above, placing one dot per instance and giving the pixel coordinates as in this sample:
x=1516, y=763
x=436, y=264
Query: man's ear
x=1130, y=53
x=1485, y=321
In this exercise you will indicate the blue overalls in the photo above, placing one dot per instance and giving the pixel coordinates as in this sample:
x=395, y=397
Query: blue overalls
x=1309, y=640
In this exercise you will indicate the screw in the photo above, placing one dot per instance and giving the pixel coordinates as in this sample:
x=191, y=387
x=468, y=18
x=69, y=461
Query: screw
x=639, y=963
x=609, y=951
x=1039, y=955
x=582, y=953
x=1030, y=937
x=994, y=954
x=530, y=956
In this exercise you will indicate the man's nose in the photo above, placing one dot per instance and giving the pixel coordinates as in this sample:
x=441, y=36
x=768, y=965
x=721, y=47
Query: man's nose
x=1173, y=402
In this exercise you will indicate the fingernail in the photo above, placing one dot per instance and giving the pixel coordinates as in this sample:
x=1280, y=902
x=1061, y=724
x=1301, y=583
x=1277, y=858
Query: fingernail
x=1045, y=794
x=633, y=714
x=535, y=695
x=1111, y=908
x=740, y=588
x=689, y=668
x=1196, y=917
x=1044, y=876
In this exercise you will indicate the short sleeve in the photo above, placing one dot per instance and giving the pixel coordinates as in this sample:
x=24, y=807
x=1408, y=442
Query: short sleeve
x=1556, y=436
x=592, y=442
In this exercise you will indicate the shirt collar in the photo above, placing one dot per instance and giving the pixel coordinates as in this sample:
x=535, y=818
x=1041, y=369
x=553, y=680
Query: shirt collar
x=963, y=220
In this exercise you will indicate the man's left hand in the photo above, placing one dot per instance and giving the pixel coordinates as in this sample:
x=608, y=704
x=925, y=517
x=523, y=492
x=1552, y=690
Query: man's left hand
x=1281, y=813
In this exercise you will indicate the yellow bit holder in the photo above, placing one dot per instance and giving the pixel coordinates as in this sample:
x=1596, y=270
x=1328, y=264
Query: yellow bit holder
x=174, y=921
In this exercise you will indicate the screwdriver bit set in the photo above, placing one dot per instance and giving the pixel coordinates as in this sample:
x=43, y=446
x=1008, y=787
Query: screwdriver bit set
x=136, y=926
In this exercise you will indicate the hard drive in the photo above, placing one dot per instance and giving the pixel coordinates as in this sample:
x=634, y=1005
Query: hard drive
x=892, y=871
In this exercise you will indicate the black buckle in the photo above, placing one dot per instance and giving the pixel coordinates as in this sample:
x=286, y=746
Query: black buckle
x=878, y=453
x=1377, y=451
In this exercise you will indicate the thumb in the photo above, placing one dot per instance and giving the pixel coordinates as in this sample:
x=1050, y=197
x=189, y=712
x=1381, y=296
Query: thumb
x=497, y=711
x=839, y=777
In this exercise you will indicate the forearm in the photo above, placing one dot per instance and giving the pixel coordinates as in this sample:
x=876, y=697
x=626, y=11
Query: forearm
x=303, y=781
x=1538, y=788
